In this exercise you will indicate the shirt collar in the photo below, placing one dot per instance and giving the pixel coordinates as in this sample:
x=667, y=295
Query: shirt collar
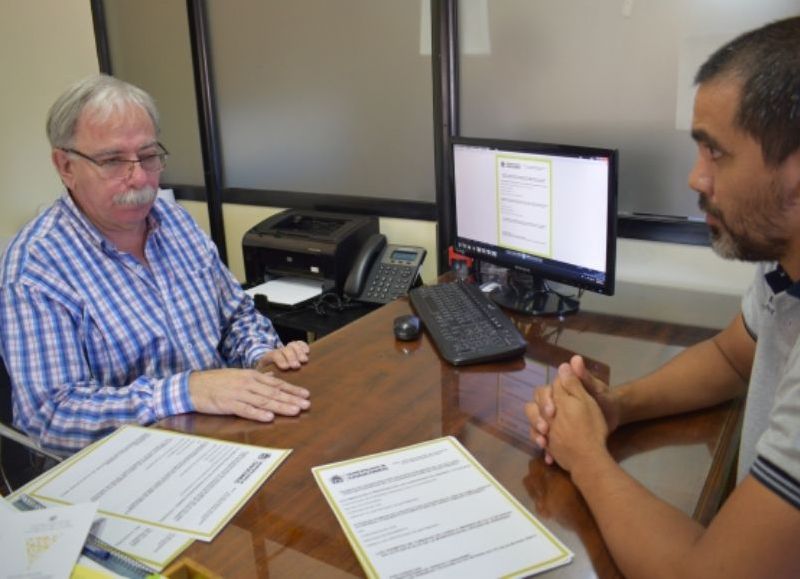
x=82, y=223
x=779, y=281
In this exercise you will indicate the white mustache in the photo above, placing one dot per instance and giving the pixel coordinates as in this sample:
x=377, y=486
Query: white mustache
x=134, y=197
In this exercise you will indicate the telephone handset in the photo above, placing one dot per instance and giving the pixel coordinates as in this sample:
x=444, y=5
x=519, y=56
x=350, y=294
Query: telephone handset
x=383, y=272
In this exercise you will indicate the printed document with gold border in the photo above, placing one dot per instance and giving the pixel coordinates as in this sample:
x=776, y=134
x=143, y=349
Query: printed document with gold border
x=431, y=509
x=175, y=482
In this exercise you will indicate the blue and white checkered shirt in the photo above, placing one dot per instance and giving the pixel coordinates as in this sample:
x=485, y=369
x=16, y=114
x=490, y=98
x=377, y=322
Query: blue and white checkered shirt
x=93, y=339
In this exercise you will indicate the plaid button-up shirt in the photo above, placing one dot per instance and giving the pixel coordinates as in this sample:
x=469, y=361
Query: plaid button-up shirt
x=92, y=338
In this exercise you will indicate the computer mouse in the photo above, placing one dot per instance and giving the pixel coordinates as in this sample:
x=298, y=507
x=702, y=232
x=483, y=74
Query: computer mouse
x=407, y=327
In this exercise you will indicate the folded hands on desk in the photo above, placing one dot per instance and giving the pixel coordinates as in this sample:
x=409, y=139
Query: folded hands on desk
x=589, y=401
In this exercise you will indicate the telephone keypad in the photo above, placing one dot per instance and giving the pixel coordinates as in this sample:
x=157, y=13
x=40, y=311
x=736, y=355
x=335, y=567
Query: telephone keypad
x=383, y=272
x=389, y=281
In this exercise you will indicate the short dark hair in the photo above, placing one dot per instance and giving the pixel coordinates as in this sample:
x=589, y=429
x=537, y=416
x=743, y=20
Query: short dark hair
x=767, y=62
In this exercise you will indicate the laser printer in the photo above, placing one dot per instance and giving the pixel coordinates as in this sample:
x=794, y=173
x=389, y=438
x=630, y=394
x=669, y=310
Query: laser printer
x=313, y=244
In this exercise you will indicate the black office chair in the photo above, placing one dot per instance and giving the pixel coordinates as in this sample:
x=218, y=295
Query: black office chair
x=21, y=459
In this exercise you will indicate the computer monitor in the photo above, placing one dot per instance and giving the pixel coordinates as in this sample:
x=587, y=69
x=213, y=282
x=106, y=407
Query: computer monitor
x=543, y=211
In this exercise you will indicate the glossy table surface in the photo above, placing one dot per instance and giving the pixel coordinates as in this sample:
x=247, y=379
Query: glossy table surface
x=371, y=393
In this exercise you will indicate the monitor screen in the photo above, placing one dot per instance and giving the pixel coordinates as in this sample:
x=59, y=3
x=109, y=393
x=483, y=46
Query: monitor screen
x=542, y=209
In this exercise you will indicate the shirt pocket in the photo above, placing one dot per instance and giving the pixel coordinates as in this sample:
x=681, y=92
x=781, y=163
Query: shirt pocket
x=196, y=304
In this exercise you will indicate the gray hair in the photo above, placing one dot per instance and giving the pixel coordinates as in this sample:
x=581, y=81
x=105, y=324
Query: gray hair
x=101, y=94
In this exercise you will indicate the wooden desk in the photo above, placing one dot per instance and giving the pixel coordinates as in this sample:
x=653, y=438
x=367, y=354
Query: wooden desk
x=371, y=393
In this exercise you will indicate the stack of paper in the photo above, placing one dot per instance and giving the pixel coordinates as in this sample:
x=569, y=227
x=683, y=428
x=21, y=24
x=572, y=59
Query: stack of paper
x=287, y=291
x=156, y=491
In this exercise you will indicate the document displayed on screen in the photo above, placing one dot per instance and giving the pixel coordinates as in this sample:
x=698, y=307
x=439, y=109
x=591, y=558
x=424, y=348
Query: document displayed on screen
x=432, y=510
x=523, y=203
x=541, y=205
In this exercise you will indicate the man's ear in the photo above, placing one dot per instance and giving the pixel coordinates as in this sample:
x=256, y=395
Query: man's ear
x=65, y=167
x=791, y=174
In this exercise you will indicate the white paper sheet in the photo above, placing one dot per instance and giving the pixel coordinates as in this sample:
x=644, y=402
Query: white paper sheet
x=153, y=546
x=43, y=544
x=6, y=506
x=175, y=482
x=287, y=291
x=431, y=509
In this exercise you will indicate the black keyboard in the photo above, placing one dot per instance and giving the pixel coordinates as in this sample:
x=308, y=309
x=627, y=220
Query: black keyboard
x=466, y=326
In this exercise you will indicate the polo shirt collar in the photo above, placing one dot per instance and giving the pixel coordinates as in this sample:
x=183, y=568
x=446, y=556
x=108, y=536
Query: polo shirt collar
x=779, y=281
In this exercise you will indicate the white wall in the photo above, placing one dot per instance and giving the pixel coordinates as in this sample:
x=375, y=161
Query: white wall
x=683, y=284
x=44, y=46
x=681, y=266
x=47, y=44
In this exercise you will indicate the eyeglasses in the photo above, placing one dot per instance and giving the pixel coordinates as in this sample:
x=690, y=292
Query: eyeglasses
x=115, y=168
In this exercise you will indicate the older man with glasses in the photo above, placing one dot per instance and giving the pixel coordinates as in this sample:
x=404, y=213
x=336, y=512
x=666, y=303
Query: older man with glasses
x=115, y=306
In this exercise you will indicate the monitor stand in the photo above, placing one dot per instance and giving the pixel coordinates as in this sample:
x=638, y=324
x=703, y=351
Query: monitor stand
x=529, y=295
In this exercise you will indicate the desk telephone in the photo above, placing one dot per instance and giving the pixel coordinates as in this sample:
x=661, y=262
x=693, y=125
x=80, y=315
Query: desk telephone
x=382, y=272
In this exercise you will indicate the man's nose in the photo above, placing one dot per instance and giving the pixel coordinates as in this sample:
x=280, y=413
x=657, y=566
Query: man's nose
x=137, y=176
x=700, y=178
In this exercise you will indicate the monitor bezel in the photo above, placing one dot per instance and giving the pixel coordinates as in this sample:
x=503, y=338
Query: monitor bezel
x=544, y=270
